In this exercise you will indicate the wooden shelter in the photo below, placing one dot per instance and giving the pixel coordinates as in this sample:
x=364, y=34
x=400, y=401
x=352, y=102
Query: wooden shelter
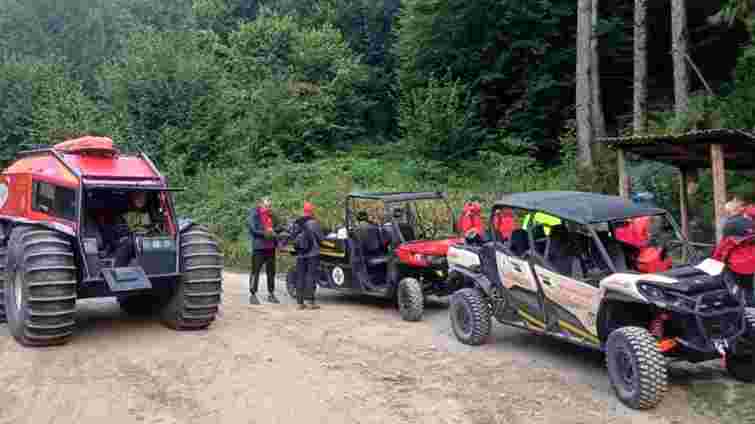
x=717, y=149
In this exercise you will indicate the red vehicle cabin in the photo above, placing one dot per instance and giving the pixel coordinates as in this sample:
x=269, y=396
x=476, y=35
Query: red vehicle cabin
x=64, y=224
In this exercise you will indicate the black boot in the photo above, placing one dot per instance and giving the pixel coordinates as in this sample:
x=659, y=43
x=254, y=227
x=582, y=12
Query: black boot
x=272, y=299
x=253, y=299
x=313, y=305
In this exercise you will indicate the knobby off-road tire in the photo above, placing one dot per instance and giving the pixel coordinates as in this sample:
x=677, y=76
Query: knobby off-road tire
x=291, y=283
x=636, y=367
x=411, y=300
x=3, y=257
x=195, y=301
x=470, y=316
x=742, y=367
x=40, y=287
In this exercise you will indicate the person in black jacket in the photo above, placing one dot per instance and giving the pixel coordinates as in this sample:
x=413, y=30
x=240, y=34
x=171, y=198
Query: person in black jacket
x=307, y=237
x=263, y=245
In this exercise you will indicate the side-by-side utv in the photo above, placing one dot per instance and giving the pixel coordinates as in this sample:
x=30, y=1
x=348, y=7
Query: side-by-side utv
x=391, y=245
x=579, y=274
x=59, y=210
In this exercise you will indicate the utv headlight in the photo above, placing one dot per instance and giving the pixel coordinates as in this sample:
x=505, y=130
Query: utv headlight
x=665, y=297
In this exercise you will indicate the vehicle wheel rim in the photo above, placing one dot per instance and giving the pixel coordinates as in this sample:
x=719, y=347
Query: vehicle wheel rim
x=625, y=368
x=463, y=319
x=19, y=292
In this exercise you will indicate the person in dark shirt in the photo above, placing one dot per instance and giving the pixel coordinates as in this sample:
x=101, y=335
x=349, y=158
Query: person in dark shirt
x=307, y=237
x=263, y=240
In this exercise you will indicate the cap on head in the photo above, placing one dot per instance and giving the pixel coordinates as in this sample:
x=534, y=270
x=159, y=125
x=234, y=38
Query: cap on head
x=308, y=209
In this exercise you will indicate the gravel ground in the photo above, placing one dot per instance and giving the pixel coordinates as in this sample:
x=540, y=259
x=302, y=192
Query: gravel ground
x=354, y=361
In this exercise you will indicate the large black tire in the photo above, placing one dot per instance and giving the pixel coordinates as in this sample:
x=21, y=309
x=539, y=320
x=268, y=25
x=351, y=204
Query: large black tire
x=636, y=367
x=411, y=300
x=470, y=316
x=291, y=283
x=40, y=287
x=3, y=256
x=196, y=298
x=742, y=367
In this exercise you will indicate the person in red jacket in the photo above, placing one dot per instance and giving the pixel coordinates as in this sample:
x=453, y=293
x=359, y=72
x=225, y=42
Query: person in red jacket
x=471, y=218
x=504, y=223
x=636, y=233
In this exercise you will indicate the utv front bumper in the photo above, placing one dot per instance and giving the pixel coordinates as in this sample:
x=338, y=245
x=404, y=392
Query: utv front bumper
x=708, y=322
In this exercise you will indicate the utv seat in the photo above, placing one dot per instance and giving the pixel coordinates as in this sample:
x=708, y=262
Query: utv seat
x=373, y=248
x=561, y=253
x=407, y=231
x=520, y=242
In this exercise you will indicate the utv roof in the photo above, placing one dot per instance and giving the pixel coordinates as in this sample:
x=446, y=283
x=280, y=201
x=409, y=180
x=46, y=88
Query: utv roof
x=93, y=160
x=579, y=207
x=399, y=196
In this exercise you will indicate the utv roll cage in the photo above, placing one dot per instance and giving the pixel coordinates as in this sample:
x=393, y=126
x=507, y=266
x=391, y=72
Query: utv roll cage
x=389, y=199
x=587, y=209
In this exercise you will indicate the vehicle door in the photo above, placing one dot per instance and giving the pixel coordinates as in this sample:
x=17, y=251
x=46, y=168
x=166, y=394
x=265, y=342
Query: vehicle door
x=569, y=297
x=513, y=270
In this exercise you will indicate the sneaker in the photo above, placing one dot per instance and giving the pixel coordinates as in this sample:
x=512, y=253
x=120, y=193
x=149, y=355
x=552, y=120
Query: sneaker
x=313, y=305
x=253, y=299
x=301, y=306
x=272, y=299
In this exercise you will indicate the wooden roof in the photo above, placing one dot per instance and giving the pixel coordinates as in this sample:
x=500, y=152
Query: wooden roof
x=691, y=149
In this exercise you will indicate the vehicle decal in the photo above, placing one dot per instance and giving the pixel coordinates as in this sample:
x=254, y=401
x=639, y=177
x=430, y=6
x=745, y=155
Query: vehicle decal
x=531, y=319
x=577, y=298
x=338, y=276
x=589, y=337
x=463, y=258
x=515, y=272
x=332, y=253
x=627, y=283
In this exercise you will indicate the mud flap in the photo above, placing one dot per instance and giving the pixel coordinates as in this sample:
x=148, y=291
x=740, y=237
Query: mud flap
x=126, y=279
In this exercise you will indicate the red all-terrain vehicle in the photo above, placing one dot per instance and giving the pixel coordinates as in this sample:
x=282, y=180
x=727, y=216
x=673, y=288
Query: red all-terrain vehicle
x=391, y=245
x=67, y=232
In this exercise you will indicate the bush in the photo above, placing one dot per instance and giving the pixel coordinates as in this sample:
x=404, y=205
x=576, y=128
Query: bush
x=40, y=105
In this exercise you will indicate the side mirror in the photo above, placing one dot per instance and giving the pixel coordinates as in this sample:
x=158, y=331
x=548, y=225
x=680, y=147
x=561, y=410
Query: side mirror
x=342, y=234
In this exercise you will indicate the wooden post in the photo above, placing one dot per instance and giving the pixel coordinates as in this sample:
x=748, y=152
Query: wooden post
x=624, y=181
x=719, y=186
x=684, y=200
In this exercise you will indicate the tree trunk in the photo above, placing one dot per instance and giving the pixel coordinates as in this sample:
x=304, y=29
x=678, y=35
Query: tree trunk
x=598, y=119
x=584, y=94
x=679, y=52
x=640, y=67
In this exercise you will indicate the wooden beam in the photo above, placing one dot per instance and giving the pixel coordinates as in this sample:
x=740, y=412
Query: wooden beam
x=719, y=186
x=684, y=200
x=624, y=181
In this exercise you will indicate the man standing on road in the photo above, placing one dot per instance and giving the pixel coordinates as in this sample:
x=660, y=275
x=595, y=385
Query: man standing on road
x=263, y=250
x=307, y=248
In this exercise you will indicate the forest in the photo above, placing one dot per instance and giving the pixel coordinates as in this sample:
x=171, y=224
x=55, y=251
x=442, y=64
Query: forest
x=307, y=100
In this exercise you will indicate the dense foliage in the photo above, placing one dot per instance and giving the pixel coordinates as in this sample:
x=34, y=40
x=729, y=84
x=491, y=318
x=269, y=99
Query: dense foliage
x=236, y=99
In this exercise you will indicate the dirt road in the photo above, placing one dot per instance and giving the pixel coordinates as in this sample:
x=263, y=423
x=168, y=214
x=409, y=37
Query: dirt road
x=354, y=361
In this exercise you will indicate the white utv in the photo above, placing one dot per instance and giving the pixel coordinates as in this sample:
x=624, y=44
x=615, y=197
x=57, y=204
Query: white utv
x=566, y=272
